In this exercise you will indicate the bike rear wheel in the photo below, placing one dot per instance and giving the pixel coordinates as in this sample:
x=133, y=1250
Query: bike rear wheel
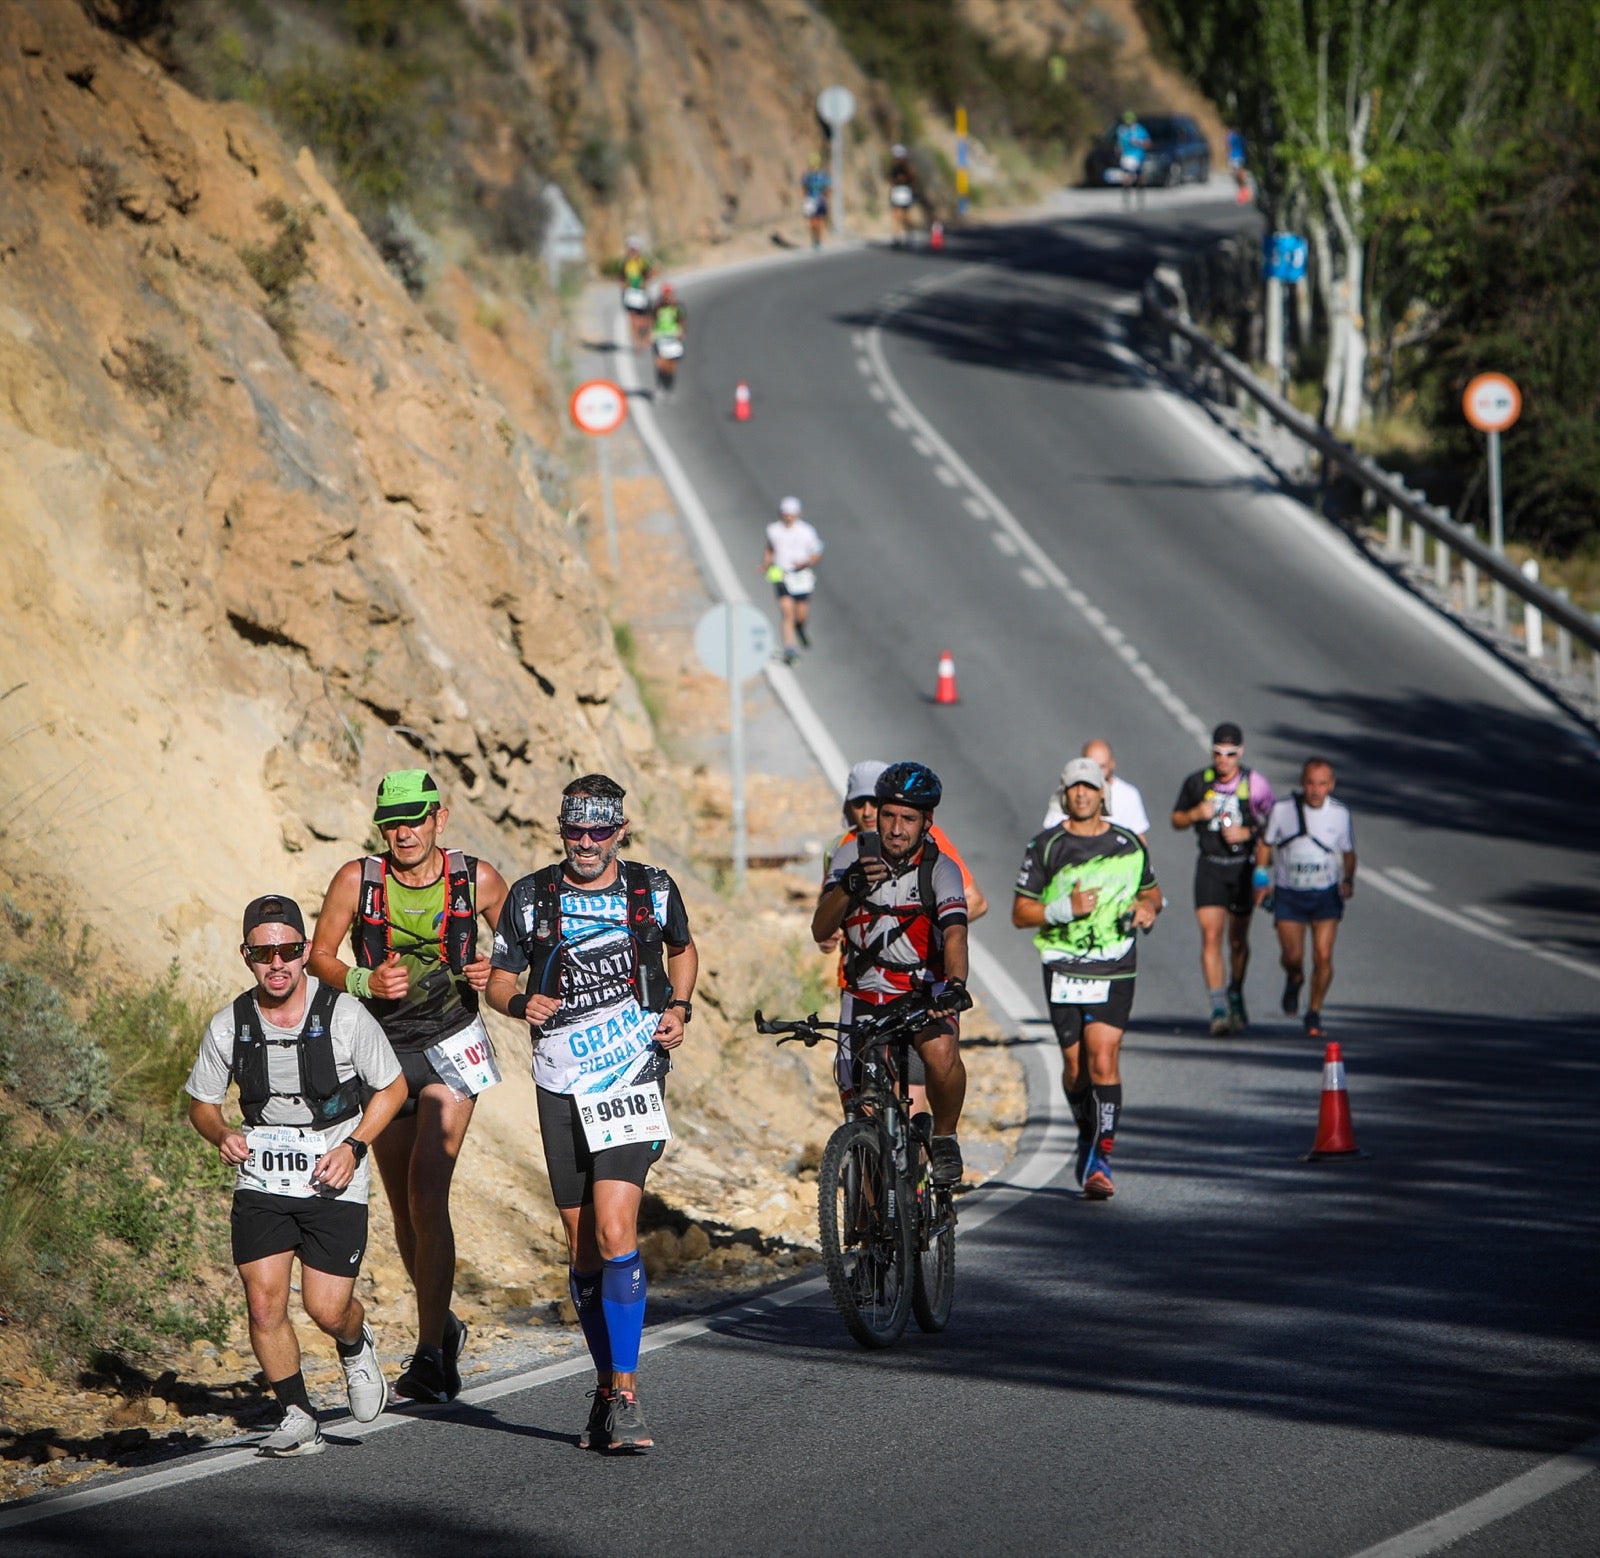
x=933, y=1290
x=865, y=1218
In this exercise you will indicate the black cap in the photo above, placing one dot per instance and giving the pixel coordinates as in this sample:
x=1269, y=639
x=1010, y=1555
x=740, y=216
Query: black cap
x=1227, y=734
x=274, y=909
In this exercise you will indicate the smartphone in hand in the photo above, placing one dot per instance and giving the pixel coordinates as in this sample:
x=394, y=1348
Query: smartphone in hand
x=869, y=844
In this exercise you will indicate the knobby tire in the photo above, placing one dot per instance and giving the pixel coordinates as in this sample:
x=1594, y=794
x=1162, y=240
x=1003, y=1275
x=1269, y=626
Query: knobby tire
x=934, y=1289
x=868, y=1251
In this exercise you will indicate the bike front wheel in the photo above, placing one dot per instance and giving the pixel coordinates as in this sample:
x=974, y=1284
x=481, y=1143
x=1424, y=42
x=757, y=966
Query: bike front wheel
x=865, y=1218
x=933, y=1290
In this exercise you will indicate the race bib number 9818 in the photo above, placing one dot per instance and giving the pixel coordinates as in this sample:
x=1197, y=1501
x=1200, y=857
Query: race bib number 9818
x=624, y=1115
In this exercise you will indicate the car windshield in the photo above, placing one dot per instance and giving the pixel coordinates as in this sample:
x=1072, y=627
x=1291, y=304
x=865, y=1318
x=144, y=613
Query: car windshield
x=1164, y=129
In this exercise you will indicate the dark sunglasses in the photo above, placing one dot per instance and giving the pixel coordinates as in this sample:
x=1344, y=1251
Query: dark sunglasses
x=289, y=951
x=573, y=834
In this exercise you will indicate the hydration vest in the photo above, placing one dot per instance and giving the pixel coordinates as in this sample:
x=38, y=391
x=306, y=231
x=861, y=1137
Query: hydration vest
x=857, y=960
x=649, y=965
x=372, y=935
x=321, y=1091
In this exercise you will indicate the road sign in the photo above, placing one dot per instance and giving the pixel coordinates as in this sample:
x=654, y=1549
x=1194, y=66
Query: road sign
x=836, y=106
x=738, y=632
x=1284, y=257
x=1492, y=403
x=599, y=407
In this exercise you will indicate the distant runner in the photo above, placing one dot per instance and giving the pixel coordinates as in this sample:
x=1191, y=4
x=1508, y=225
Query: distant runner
x=815, y=184
x=1133, y=146
x=793, y=551
x=904, y=193
x=1310, y=846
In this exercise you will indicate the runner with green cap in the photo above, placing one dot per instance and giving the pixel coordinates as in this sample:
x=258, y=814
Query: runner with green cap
x=411, y=916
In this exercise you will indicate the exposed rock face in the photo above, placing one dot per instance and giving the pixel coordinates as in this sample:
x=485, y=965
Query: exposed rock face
x=262, y=534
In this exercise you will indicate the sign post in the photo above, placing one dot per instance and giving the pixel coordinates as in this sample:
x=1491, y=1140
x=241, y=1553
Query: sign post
x=599, y=408
x=836, y=107
x=733, y=641
x=1492, y=403
x=1283, y=260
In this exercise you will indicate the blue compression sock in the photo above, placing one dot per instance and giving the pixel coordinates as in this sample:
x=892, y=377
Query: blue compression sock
x=585, y=1289
x=622, y=1299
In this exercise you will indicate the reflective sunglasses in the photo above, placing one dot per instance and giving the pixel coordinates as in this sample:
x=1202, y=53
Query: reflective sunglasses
x=289, y=951
x=1226, y=751
x=574, y=834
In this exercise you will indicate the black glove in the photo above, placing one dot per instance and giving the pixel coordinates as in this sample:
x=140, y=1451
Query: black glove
x=856, y=883
x=956, y=996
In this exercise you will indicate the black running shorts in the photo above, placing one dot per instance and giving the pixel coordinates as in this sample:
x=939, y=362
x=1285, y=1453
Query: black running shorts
x=1225, y=884
x=1070, y=1021
x=419, y=1073
x=330, y=1235
x=572, y=1167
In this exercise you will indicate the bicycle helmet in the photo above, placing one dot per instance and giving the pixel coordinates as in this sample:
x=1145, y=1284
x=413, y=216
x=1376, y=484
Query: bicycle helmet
x=909, y=784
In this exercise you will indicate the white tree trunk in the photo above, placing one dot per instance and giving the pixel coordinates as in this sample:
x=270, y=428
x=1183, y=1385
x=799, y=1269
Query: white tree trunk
x=1351, y=404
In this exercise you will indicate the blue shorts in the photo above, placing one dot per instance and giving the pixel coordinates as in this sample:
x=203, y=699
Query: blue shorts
x=1302, y=906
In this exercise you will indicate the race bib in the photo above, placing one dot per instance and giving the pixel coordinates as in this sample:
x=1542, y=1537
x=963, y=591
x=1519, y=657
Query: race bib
x=669, y=347
x=465, y=1061
x=281, y=1160
x=1067, y=991
x=1309, y=875
x=624, y=1115
x=900, y=195
x=635, y=298
x=1132, y=164
x=800, y=581
x=809, y=206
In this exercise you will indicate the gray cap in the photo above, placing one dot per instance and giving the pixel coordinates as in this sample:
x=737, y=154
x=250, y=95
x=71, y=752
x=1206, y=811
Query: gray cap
x=1082, y=770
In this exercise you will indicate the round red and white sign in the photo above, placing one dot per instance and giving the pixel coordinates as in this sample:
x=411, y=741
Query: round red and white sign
x=1492, y=403
x=599, y=406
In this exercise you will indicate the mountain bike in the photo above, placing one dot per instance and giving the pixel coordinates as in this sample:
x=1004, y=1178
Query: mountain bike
x=888, y=1232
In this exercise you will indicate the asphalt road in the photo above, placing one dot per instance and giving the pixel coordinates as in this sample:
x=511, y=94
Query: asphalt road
x=1241, y=1353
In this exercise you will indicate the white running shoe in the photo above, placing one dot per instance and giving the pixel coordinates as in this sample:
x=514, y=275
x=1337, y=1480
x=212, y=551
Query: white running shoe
x=297, y=1434
x=363, y=1380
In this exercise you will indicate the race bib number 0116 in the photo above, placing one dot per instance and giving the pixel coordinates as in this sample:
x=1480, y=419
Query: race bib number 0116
x=281, y=1160
x=624, y=1115
x=465, y=1061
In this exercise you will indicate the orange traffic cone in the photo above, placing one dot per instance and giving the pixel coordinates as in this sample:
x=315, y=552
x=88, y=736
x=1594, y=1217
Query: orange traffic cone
x=741, y=402
x=946, y=690
x=1336, y=1136
x=936, y=236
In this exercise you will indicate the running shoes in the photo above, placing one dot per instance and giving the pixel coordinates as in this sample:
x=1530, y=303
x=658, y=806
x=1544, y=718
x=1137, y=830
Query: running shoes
x=363, y=1380
x=297, y=1434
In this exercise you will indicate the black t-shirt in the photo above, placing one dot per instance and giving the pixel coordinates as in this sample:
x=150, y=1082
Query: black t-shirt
x=1246, y=798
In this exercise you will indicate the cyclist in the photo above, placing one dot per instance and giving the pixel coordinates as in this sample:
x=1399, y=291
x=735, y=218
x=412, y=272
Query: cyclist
x=815, y=184
x=1124, y=805
x=1227, y=806
x=304, y=1057
x=636, y=270
x=793, y=551
x=1085, y=887
x=411, y=916
x=861, y=815
x=904, y=193
x=1310, y=844
x=1133, y=146
x=904, y=917
x=603, y=1006
x=667, y=337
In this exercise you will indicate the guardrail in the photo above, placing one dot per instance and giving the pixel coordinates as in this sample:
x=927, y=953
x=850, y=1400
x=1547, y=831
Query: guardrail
x=1451, y=540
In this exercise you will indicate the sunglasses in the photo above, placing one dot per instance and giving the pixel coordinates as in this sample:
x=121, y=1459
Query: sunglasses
x=289, y=951
x=573, y=834
x=1226, y=751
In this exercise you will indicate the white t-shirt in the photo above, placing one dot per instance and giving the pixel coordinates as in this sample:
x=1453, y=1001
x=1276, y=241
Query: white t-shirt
x=793, y=546
x=360, y=1048
x=1314, y=861
x=1124, y=806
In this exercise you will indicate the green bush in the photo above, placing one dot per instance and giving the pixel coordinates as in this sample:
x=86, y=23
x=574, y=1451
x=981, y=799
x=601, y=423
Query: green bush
x=45, y=1056
x=277, y=266
x=150, y=1035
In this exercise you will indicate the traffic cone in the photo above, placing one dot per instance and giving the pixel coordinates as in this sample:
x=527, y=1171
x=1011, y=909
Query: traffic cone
x=741, y=402
x=946, y=690
x=1336, y=1136
x=936, y=236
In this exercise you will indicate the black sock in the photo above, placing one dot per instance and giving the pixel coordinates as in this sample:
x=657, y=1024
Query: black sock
x=1079, y=1104
x=350, y=1349
x=291, y=1392
x=1107, y=1111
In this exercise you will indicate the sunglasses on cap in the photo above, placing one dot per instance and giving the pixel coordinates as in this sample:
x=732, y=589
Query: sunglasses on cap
x=575, y=833
x=289, y=951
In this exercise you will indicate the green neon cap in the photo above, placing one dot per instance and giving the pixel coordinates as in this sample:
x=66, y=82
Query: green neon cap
x=405, y=796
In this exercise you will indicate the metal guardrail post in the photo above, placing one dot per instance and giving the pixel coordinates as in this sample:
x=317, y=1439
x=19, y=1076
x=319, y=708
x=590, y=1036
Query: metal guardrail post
x=1564, y=639
x=1394, y=530
x=1419, y=546
x=1469, y=582
x=1532, y=617
x=1441, y=566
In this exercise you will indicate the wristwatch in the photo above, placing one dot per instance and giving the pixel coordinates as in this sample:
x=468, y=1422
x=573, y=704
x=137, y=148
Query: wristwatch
x=688, y=1008
x=358, y=1147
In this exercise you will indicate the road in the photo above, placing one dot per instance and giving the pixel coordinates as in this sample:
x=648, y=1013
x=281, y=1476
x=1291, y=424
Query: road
x=1241, y=1353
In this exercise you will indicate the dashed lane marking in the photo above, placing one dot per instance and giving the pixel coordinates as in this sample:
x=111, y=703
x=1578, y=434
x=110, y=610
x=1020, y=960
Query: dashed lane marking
x=1033, y=578
x=971, y=505
x=1408, y=879
x=945, y=476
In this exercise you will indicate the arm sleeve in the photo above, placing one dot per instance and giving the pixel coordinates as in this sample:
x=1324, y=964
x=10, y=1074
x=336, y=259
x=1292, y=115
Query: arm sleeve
x=508, y=953
x=950, y=892
x=213, y=1066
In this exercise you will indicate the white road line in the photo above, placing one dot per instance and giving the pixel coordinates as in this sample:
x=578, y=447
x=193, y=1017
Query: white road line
x=1445, y=1530
x=922, y=446
x=945, y=476
x=1409, y=879
x=1033, y=578
x=1488, y=916
x=858, y=339
x=1006, y=543
x=898, y=418
x=863, y=367
x=877, y=391
x=971, y=505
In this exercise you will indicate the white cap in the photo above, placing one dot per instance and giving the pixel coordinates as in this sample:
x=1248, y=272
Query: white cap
x=789, y=506
x=635, y=241
x=863, y=781
x=1082, y=770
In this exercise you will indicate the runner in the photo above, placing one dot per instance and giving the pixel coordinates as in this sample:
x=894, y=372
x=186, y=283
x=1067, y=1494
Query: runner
x=667, y=332
x=793, y=551
x=861, y=815
x=904, y=192
x=1310, y=845
x=411, y=915
x=815, y=184
x=1227, y=806
x=1123, y=805
x=636, y=270
x=304, y=1056
x=1133, y=146
x=904, y=917
x=1086, y=887
x=603, y=1008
